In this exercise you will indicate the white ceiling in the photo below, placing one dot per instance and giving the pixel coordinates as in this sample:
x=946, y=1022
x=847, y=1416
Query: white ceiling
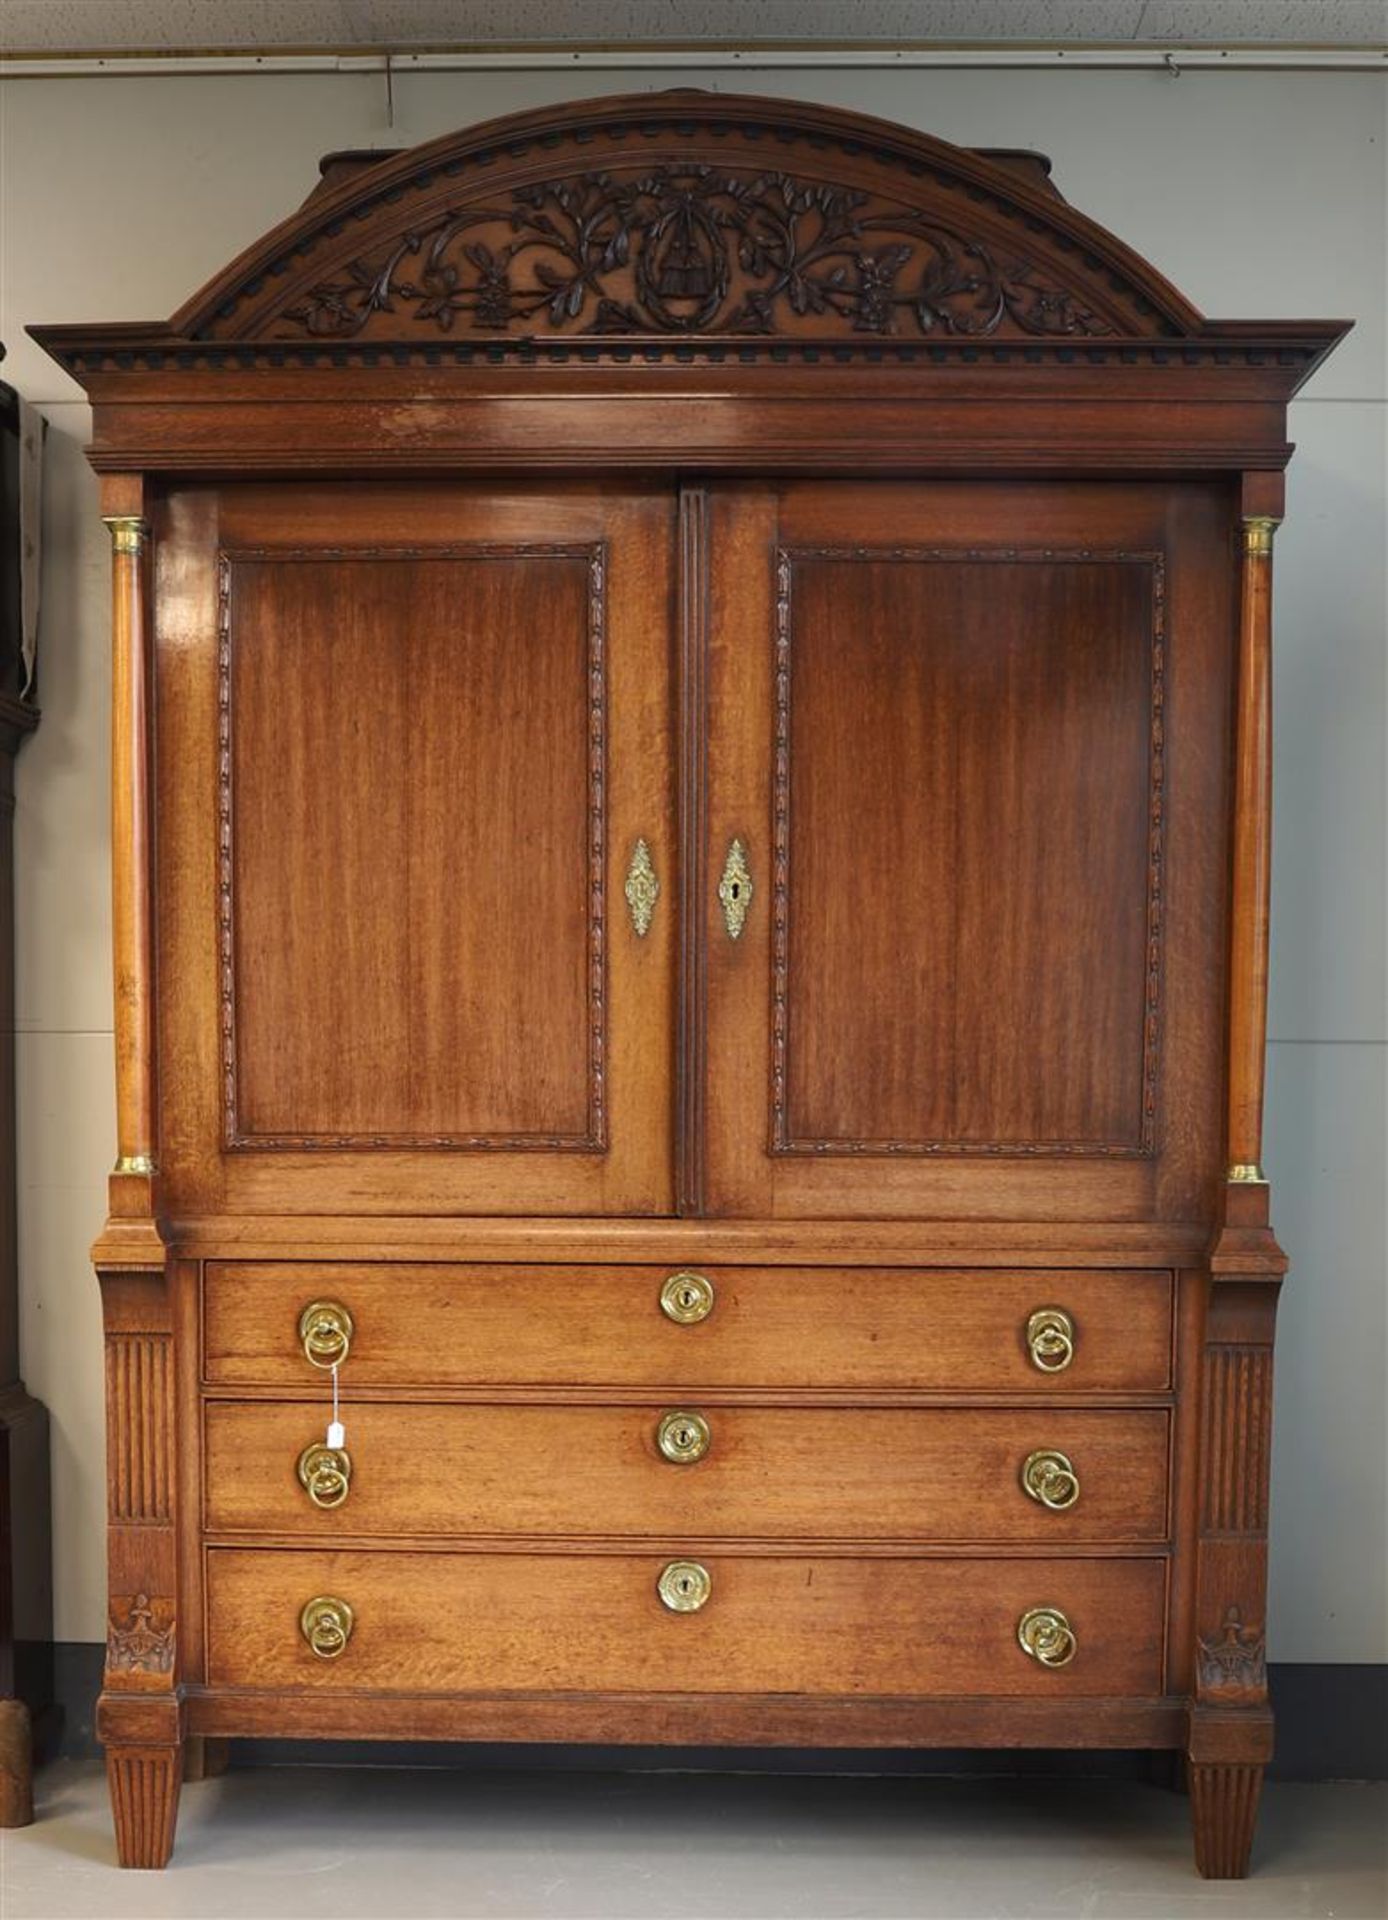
x=71, y=27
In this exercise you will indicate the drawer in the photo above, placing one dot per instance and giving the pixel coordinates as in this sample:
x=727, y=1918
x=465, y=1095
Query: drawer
x=861, y=1327
x=768, y=1472
x=439, y=1622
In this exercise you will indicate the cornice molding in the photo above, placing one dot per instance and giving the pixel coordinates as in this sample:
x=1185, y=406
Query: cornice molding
x=701, y=238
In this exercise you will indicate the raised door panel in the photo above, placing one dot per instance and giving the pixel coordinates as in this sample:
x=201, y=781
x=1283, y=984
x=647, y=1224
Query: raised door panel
x=971, y=742
x=383, y=908
x=966, y=850
x=439, y=720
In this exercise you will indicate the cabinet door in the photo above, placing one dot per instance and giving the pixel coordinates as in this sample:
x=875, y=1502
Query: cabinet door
x=967, y=798
x=409, y=740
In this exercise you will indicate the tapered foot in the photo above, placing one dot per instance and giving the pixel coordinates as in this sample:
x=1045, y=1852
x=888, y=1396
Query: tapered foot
x=1224, y=1808
x=16, y=1765
x=144, y=1783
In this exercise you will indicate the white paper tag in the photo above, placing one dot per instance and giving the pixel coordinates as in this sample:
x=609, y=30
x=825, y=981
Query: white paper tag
x=337, y=1433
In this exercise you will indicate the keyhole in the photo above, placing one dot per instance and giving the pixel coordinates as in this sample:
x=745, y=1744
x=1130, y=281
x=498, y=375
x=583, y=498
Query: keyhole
x=736, y=889
x=688, y=1297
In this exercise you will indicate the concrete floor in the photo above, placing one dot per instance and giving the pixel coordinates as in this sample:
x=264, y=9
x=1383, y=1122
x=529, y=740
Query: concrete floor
x=356, y=1844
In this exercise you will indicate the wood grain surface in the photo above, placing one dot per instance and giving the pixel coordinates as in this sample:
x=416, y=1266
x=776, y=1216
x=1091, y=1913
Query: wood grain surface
x=597, y=1325
x=864, y=1473
x=793, y=1623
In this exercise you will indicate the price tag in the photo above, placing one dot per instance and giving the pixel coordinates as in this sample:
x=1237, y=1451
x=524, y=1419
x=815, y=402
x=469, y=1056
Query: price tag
x=337, y=1433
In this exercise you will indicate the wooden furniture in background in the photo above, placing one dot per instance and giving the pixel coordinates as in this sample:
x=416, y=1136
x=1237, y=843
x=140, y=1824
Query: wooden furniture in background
x=26, y=1577
x=690, y=763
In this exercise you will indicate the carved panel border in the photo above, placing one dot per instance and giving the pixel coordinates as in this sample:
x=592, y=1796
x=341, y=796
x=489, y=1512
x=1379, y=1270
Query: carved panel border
x=235, y=1137
x=782, y=1141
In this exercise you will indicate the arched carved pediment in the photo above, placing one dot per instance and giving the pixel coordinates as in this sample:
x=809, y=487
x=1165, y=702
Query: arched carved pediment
x=686, y=215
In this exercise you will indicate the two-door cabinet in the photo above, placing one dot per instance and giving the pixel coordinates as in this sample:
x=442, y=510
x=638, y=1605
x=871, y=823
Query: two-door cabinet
x=690, y=763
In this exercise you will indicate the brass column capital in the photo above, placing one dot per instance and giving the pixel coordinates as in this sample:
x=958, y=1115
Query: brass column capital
x=1258, y=530
x=129, y=532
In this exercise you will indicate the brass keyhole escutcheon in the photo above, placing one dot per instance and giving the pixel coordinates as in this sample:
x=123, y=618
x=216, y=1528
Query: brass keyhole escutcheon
x=683, y=1437
x=735, y=890
x=642, y=889
x=326, y=1623
x=1048, y=1477
x=687, y=1298
x=1047, y=1636
x=325, y=1333
x=684, y=1586
x=1051, y=1339
x=325, y=1474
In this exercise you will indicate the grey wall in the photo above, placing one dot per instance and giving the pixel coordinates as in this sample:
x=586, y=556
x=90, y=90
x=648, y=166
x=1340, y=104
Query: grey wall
x=1259, y=194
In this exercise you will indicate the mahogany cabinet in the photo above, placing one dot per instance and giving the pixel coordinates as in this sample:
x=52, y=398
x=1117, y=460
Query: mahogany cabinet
x=691, y=848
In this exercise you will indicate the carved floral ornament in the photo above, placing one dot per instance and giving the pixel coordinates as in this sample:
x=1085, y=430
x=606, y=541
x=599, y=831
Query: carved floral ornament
x=140, y=1635
x=693, y=249
x=1233, y=1661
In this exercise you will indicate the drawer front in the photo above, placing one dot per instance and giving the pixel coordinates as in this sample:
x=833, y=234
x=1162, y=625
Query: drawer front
x=870, y=1327
x=768, y=1472
x=441, y=1622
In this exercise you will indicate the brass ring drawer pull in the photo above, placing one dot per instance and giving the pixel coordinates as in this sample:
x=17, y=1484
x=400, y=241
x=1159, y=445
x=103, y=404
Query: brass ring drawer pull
x=684, y=1586
x=1048, y=1477
x=683, y=1437
x=326, y=1623
x=687, y=1298
x=1047, y=1636
x=325, y=1474
x=1051, y=1339
x=325, y=1333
